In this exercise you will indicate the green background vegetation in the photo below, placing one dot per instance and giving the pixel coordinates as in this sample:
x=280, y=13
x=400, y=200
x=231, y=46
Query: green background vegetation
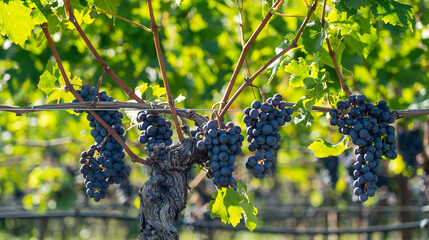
x=39, y=152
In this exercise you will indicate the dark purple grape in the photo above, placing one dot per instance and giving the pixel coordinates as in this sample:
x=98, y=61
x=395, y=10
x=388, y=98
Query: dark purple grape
x=97, y=163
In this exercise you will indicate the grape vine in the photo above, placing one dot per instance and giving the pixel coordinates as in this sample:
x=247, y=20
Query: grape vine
x=318, y=45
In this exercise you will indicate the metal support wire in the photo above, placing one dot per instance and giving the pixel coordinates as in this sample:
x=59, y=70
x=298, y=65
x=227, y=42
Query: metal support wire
x=423, y=224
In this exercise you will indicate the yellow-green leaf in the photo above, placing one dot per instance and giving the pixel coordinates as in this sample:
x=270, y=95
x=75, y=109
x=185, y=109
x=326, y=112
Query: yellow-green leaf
x=52, y=83
x=322, y=148
x=250, y=211
x=226, y=206
x=15, y=21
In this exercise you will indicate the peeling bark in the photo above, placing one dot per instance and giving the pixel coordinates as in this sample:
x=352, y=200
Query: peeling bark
x=164, y=195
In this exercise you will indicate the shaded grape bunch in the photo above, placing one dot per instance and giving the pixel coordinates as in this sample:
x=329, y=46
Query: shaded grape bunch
x=410, y=144
x=103, y=163
x=263, y=122
x=330, y=165
x=369, y=129
x=222, y=145
x=156, y=130
x=194, y=132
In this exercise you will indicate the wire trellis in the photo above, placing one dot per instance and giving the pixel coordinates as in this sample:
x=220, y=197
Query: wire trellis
x=201, y=225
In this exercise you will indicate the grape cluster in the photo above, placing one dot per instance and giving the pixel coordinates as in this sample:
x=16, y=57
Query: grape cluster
x=156, y=130
x=194, y=132
x=369, y=129
x=263, y=122
x=410, y=144
x=222, y=145
x=330, y=173
x=348, y=159
x=102, y=164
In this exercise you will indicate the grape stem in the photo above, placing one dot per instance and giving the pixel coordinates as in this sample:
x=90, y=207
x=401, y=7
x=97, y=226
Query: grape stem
x=294, y=44
x=286, y=15
x=170, y=98
x=243, y=40
x=100, y=79
x=243, y=55
x=122, y=18
x=106, y=68
x=260, y=90
x=332, y=55
x=69, y=86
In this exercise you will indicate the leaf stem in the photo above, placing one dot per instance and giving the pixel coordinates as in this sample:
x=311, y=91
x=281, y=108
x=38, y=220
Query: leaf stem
x=69, y=87
x=106, y=68
x=243, y=40
x=122, y=18
x=294, y=44
x=170, y=98
x=286, y=15
x=243, y=55
x=343, y=84
x=100, y=79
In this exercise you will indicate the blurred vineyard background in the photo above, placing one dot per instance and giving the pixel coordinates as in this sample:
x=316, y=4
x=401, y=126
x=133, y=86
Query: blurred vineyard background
x=41, y=190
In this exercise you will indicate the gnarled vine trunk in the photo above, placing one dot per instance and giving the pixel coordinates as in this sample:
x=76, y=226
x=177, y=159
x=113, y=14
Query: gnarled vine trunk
x=164, y=195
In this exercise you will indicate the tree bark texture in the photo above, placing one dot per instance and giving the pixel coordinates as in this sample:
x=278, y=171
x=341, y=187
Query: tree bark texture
x=164, y=195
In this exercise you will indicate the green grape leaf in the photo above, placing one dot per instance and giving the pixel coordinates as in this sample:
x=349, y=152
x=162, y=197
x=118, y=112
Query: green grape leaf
x=39, y=16
x=304, y=115
x=322, y=148
x=341, y=6
x=16, y=21
x=52, y=83
x=324, y=57
x=316, y=91
x=109, y=6
x=356, y=3
x=226, y=206
x=49, y=78
x=359, y=35
x=362, y=44
x=55, y=25
x=313, y=36
x=299, y=71
x=250, y=211
x=231, y=206
x=41, y=10
x=151, y=93
x=394, y=12
x=274, y=67
x=145, y=92
x=82, y=16
x=155, y=93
